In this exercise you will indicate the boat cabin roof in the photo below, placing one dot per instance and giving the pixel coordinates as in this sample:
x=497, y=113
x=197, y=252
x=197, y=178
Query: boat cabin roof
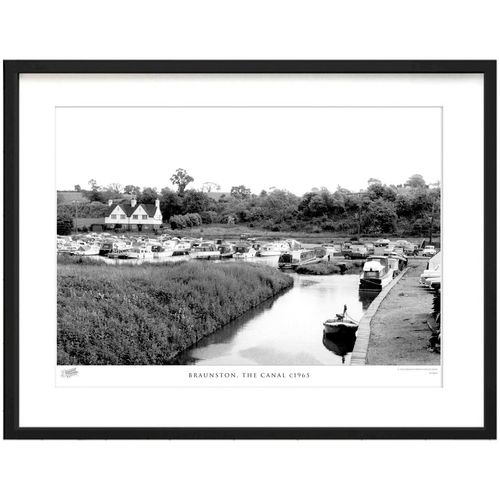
x=380, y=258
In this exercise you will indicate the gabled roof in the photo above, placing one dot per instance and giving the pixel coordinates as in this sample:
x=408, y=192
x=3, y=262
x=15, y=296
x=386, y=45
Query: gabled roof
x=149, y=208
x=127, y=209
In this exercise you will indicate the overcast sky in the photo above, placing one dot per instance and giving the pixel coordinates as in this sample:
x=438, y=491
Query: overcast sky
x=288, y=148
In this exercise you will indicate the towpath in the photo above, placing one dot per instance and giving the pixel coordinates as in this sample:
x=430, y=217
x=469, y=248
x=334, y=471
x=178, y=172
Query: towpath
x=399, y=332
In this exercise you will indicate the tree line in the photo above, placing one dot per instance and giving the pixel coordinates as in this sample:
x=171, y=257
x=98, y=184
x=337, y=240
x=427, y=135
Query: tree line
x=405, y=209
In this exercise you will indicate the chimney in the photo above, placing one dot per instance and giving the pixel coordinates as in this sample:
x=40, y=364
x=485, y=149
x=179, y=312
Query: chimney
x=110, y=202
x=133, y=202
x=157, y=203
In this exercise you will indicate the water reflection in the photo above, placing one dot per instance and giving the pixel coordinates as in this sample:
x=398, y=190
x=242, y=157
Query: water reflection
x=340, y=343
x=288, y=329
x=366, y=297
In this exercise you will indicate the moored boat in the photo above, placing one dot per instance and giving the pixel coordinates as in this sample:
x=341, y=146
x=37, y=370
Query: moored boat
x=119, y=253
x=291, y=260
x=138, y=253
x=273, y=249
x=87, y=250
x=226, y=250
x=244, y=251
x=376, y=274
x=206, y=251
x=341, y=324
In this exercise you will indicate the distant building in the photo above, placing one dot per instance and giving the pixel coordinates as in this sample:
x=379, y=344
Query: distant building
x=133, y=216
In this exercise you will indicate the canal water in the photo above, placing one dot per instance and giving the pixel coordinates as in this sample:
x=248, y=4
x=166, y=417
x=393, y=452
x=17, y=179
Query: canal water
x=287, y=329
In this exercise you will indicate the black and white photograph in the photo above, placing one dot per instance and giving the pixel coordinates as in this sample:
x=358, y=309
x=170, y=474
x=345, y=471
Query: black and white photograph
x=248, y=235
x=250, y=250
x=284, y=245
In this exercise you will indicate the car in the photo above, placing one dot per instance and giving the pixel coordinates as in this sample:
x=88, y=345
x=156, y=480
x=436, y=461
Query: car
x=358, y=252
x=429, y=251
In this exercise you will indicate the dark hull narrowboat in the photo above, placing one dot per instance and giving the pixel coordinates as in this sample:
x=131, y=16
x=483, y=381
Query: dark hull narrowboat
x=377, y=273
x=374, y=283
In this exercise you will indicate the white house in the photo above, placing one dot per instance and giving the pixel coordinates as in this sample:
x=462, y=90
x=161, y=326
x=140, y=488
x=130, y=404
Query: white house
x=134, y=216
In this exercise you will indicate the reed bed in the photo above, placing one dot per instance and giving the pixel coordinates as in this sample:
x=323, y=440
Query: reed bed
x=145, y=315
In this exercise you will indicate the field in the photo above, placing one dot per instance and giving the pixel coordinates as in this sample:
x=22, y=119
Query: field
x=123, y=315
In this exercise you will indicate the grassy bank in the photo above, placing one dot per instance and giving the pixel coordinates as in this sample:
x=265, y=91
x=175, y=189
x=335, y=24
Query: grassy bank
x=147, y=314
x=324, y=268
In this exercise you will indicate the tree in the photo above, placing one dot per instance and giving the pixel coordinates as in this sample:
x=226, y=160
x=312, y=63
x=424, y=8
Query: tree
x=416, y=181
x=115, y=188
x=78, y=187
x=373, y=180
x=209, y=187
x=196, y=201
x=64, y=225
x=279, y=205
x=181, y=179
x=312, y=204
x=148, y=195
x=94, y=194
x=240, y=192
x=379, y=216
x=131, y=189
x=170, y=203
x=379, y=190
x=321, y=203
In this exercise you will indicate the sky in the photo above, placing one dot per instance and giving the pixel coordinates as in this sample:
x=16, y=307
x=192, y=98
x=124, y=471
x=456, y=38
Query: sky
x=287, y=148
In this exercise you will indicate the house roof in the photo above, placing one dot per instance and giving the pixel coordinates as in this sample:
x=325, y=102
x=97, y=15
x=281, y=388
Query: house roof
x=149, y=208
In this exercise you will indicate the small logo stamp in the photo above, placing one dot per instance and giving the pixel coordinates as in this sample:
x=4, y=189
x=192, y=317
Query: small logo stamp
x=69, y=372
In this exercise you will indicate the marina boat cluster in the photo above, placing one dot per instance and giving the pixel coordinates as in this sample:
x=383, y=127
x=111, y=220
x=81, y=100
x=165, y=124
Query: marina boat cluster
x=383, y=259
x=147, y=248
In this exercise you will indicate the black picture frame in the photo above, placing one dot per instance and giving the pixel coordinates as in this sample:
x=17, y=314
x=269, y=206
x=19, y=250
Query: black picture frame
x=12, y=70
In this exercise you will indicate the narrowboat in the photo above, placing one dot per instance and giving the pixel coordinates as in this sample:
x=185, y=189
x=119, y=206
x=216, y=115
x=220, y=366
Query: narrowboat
x=291, y=260
x=376, y=274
